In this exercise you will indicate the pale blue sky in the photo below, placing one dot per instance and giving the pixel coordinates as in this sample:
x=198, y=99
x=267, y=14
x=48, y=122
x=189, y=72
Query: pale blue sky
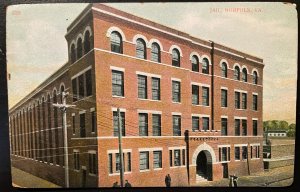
x=36, y=46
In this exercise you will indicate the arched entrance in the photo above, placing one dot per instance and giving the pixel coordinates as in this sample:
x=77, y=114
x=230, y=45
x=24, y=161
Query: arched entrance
x=204, y=165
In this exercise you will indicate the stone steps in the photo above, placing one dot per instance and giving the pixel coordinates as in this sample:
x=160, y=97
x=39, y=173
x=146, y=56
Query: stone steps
x=200, y=178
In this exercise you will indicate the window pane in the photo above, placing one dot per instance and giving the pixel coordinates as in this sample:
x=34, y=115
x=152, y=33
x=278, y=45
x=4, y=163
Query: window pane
x=155, y=52
x=115, y=123
x=224, y=70
x=237, y=100
x=144, y=160
x=195, y=64
x=140, y=49
x=223, y=98
x=205, y=96
x=244, y=153
x=177, y=158
x=116, y=42
x=156, y=123
x=110, y=167
x=175, y=91
x=195, y=95
x=224, y=153
x=143, y=124
x=254, y=127
x=128, y=161
x=237, y=153
x=237, y=127
x=87, y=43
x=74, y=87
x=195, y=123
x=205, y=66
x=237, y=73
x=93, y=114
x=224, y=126
x=88, y=81
x=117, y=83
x=175, y=58
x=81, y=86
x=255, y=77
x=244, y=75
x=244, y=100
x=205, y=121
x=157, y=160
x=176, y=125
x=244, y=127
x=82, y=125
x=79, y=48
x=142, y=87
x=254, y=102
x=155, y=88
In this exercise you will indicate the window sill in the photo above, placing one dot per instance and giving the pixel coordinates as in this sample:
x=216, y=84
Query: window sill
x=157, y=169
x=255, y=158
x=224, y=161
x=224, y=107
x=114, y=174
x=181, y=166
x=237, y=160
x=176, y=102
x=92, y=174
x=116, y=96
x=145, y=170
x=149, y=100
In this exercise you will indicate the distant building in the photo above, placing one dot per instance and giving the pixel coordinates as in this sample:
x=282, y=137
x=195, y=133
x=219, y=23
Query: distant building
x=276, y=133
x=165, y=83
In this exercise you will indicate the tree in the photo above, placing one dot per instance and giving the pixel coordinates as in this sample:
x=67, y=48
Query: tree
x=283, y=125
x=292, y=126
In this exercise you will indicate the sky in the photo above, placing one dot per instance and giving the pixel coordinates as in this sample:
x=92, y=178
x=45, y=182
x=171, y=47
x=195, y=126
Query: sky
x=36, y=46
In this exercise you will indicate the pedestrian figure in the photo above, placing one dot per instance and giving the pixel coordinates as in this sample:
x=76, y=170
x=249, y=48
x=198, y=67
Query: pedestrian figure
x=115, y=184
x=235, y=178
x=231, y=181
x=127, y=184
x=168, y=180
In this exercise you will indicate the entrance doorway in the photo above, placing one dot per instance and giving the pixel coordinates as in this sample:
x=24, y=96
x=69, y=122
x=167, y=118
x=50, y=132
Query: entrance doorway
x=204, y=165
x=225, y=170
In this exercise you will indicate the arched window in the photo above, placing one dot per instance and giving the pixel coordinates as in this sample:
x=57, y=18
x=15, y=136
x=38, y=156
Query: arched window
x=73, y=54
x=62, y=89
x=205, y=67
x=195, y=63
x=155, y=52
x=79, y=48
x=255, y=77
x=224, y=69
x=87, y=42
x=244, y=75
x=237, y=73
x=175, y=58
x=116, y=42
x=140, y=48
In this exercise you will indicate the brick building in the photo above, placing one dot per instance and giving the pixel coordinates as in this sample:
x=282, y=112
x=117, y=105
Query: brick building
x=191, y=108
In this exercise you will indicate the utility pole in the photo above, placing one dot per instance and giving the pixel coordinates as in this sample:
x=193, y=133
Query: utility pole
x=64, y=107
x=120, y=149
x=186, y=138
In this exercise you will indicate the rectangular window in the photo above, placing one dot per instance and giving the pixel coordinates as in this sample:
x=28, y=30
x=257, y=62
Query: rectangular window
x=244, y=152
x=171, y=157
x=118, y=165
x=142, y=87
x=76, y=160
x=195, y=123
x=205, y=96
x=88, y=81
x=144, y=160
x=73, y=127
x=155, y=88
x=156, y=124
x=117, y=83
x=237, y=100
x=74, y=87
x=92, y=163
x=82, y=125
x=244, y=127
x=195, y=95
x=157, y=160
x=93, y=115
x=176, y=125
x=143, y=124
x=237, y=153
x=110, y=167
x=183, y=156
x=176, y=91
x=244, y=100
x=224, y=126
x=223, y=98
x=205, y=121
x=254, y=105
x=224, y=153
x=177, y=157
x=236, y=127
x=129, y=161
x=81, y=86
x=254, y=122
x=116, y=122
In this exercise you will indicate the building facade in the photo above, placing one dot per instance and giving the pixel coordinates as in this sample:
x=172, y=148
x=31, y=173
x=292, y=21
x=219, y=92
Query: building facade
x=189, y=108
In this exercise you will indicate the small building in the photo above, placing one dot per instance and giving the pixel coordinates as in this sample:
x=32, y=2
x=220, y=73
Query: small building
x=277, y=133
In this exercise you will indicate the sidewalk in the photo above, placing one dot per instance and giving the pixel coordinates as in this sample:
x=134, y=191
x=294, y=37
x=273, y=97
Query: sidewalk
x=24, y=179
x=259, y=179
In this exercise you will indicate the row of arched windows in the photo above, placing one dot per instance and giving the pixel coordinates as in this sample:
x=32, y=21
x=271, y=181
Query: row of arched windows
x=82, y=45
x=238, y=73
x=36, y=135
x=116, y=41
